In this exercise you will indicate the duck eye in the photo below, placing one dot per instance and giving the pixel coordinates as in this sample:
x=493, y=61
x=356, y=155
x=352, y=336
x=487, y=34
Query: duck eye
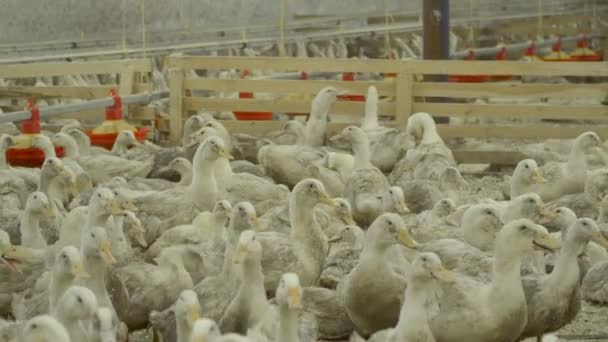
x=35, y=197
x=585, y=223
x=92, y=235
x=526, y=165
x=98, y=195
x=79, y=299
x=34, y=326
x=531, y=200
x=522, y=228
x=390, y=192
x=559, y=211
x=389, y=222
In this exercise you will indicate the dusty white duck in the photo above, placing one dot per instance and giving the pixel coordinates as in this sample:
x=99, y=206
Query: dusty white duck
x=75, y=307
x=499, y=308
x=554, y=299
x=586, y=204
x=366, y=185
x=421, y=302
x=104, y=326
x=45, y=329
x=317, y=121
x=96, y=257
x=374, y=277
x=345, y=248
x=187, y=311
x=37, y=206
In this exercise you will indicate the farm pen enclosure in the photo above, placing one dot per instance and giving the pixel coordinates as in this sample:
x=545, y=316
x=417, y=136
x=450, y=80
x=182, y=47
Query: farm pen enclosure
x=406, y=93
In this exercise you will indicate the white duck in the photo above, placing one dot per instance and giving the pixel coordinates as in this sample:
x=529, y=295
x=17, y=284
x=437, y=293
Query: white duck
x=366, y=185
x=421, y=302
x=497, y=309
x=373, y=290
x=75, y=307
x=104, y=326
x=37, y=206
x=45, y=329
x=187, y=311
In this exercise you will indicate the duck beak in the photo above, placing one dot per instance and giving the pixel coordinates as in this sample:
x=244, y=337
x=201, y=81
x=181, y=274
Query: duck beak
x=224, y=153
x=324, y=198
x=193, y=313
x=402, y=207
x=335, y=238
x=443, y=274
x=545, y=240
x=600, y=239
x=50, y=210
x=254, y=222
x=406, y=239
x=349, y=220
x=129, y=205
x=106, y=253
x=15, y=255
x=241, y=254
x=336, y=138
x=114, y=207
x=79, y=272
x=537, y=177
x=546, y=216
x=294, y=298
x=139, y=237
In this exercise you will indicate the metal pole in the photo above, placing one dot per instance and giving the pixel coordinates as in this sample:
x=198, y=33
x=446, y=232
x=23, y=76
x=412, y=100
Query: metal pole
x=50, y=111
x=436, y=29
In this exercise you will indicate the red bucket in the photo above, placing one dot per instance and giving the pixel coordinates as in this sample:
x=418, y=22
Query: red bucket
x=29, y=157
x=107, y=140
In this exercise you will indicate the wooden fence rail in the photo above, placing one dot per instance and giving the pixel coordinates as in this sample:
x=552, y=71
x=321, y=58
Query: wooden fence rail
x=405, y=94
x=133, y=77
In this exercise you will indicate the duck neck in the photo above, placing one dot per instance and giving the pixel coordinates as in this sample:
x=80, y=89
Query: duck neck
x=361, y=152
x=253, y=277
x=566, y=271
x=415, y=311
x=60, y=282
x=119, y=245
x=603, y=217
x=204, y=186
x=182, y=275
x=96, y=268
x=506, y=280
x=301, y=216
x=48, y=149
x=223, y=172
x=97, y=219
x=577, y=161
x=288, y=324
x=219, y=233
x=44, y=183
x=3, y=164
x=185, y=175
x=184, y=330
x=429, y=134
x=119, y=147
x=31, y=236
x=70, y=149
x=370, y=120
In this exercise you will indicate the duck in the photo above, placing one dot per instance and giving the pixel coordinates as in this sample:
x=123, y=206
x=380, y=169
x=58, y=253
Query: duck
x=205, y=329
x=344, y=251
x=421, y=302
x=202, y=229
x=187, y=312
x=528, y=205
x=499, y=311
x=366, y=185
x=215, y=292
x=126, y=223
x=45, y=328
x=316, y=125
x=75, y=307
x=96, y=258
x=306, y=246
x=586, y=204
x=83, y=142
x=372, y=291
x=480, y=225
x=422, y=134
x=36, y=207
x=554, y=300
x=104, y=326
x=249, y=306
x=435, y=223
x=594, y=288
x=139, y=288
x=184, y=168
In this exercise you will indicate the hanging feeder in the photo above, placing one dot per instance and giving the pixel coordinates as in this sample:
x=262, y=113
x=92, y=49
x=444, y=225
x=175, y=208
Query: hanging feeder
x=250, y=95
x=557, y=55
x=23, y=153
x=469, y=78
x=583, y=53
x=501, y=55
x=392, y=56
x=105, y=134
x=350, y=77
x=530, y=52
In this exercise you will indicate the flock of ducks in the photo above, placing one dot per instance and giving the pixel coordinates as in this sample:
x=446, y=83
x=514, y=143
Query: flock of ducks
x=372, y=234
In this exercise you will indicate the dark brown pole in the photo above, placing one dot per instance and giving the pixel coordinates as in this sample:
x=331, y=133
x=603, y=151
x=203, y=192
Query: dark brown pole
x=436, y=38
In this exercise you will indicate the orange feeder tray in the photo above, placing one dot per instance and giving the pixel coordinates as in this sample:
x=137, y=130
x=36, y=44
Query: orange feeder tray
x=469, y=78
x=105, y=134
x=23, y=154
x=557, y=55
x=583, y=53
x=350, y=77
x=254, y=116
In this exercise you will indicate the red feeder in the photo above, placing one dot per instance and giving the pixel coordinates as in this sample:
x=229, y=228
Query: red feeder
x=250, y=115
x=502, y=55
x=350, y=77
x=392, y=55
x=105, y=134
x=469, y=78
x=583, y=53
x=557, y=55
x=530, y=52
x=22, y=153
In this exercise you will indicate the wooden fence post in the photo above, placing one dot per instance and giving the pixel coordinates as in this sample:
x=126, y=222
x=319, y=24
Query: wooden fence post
x=176, y=102
x=404, y=97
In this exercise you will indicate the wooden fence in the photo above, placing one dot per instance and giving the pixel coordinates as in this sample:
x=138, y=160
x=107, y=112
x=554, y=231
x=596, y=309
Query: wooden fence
x=407, y=93
x=133, y=77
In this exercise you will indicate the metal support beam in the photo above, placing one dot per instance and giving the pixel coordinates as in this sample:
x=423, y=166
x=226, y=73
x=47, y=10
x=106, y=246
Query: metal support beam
x=436, y=29
x=50, y=111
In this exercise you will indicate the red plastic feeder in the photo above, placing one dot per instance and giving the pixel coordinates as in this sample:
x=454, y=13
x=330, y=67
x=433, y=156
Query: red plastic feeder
x=583, y=53
x=530, y=52
x=502, y=55
x=23, y=154
x=557, y=55
x=469, y=78
x=105, y=134
x=350, y=77
x=250, y=115
x=392, y=55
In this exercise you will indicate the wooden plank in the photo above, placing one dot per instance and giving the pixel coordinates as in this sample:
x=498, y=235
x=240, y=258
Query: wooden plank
x=453, y=67
x=143, y=87
x=488, y=157
x=514, y=111
x=176, y=88
x=72, y=68
x=287, y=86
x=85, y=93
x=535, y=132
x=357, y=109
x=404, y=99
x=526, y=90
